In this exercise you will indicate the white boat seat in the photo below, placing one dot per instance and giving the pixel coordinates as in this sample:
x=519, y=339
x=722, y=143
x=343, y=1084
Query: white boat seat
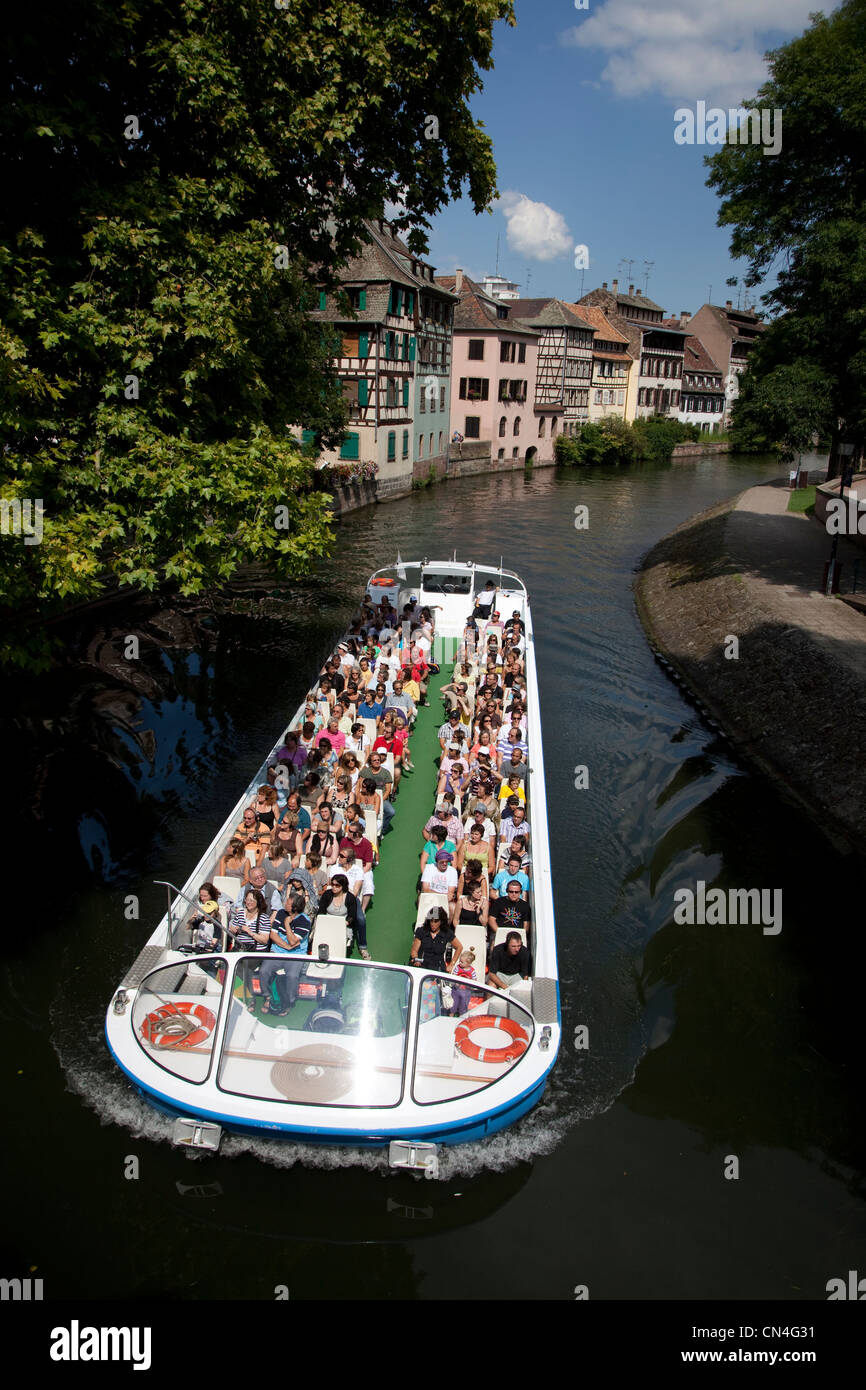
x=369, y=729
x=503, y=933
x=474, y=938
x=427, y=901
x=229, y=884
x=327, y=930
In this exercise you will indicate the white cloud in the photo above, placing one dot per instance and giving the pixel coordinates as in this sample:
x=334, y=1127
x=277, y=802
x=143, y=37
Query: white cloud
x=687, y=50
x=534, y=229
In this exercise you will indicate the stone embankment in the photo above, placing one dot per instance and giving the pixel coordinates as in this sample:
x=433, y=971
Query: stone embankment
x=732, y=600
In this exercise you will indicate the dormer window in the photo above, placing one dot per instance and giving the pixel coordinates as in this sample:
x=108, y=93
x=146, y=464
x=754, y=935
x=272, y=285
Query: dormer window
x=501, y=313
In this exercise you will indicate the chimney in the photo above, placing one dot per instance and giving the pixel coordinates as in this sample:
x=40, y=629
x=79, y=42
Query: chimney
x=604, y=284
x=728, y=305
x=458, y=280
x=614, y=286
x=684, y=317
x=631, y=289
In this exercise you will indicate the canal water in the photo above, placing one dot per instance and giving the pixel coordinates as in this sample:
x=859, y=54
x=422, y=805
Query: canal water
x=708, y=1141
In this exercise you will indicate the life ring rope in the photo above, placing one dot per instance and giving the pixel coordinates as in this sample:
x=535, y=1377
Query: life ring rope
x=509, y=1053
x=167, y=1026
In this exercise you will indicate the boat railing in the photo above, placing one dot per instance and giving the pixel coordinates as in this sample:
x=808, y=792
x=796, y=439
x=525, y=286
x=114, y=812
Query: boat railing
x=179, y=893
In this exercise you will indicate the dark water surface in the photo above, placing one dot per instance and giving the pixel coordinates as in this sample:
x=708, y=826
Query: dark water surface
x=704, y=1042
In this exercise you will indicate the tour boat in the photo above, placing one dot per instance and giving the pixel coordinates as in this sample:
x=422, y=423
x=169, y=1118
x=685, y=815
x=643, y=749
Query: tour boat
x=372, y=1052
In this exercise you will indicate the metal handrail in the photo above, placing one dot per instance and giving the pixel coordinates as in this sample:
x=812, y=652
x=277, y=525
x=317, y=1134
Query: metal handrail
x=164, y=883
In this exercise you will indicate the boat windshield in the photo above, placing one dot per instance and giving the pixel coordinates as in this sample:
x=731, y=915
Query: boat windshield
x=435, y=583
x=175, y=1015
x=468, y=1037
x=316, y=1033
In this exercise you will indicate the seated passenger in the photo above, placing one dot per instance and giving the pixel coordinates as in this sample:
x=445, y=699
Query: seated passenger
x=518, y=849
x=511, y=787
x=511, y=874
x=206, y=920
x=338, y=796
x=310, y=883
x=258, y=881
x=464, y=972
x=290, y=929
x=474, y=846
x=367, y=796
x=438, y=840
x=511, y=910
x=471, y=907
x=249, y=924
x=337, y=901
x=277, y=863
x=356, y=840
x=444, y=816
x=234, y=863
x=514, y=766
x=478, y=816
x=440, y=876
x=433, y=941
x=509, y=962
x=251, y=833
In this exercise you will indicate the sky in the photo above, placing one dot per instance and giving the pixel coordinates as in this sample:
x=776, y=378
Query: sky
x=580, y=108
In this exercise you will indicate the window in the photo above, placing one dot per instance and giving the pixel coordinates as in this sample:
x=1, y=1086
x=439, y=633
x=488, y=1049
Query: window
x=406, y=395
x=420, y=446
x=405, y=444
x=357, y=298
x=521, y=352
x=553, y=425
x=363, y=344
x=441, y=397
x=474, y=388
x=501, y=454
x=391, y=392
x=476, y=349
x=541, y=427
x=502, y=427
x=349, y=346
x=507, y=351
x=517, y=426
x=501, y=312
x=515, y=453
x=430, y=450
x=392, y=445
x=422, y=402
x=351, y=448
x=440, y=441
x=472, y=429
x=598, y=398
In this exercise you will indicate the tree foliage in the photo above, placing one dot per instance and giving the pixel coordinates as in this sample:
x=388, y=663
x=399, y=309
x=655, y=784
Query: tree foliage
x=802, y=213
x=155, y=349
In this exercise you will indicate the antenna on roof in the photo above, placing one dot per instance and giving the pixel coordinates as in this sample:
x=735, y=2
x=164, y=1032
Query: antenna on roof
x=626, y=260
x=528, y=280
x=497, y=253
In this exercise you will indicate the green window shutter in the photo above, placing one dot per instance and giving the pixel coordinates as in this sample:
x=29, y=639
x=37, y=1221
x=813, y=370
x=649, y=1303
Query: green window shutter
x=405, y=395
x=308, y=436
x=410, y=306
x=363, y=345
x=391, y=301
x=323, y=300
x=363, y=392
x=351, y=448
x=405, y=444
x=392, y=445
x=362, y=299
x=411, y=349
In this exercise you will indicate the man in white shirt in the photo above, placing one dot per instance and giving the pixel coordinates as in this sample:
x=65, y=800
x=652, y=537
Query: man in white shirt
x=441, y=877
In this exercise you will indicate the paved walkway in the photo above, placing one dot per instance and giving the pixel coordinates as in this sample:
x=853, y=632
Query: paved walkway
x=783, y=554
x=794, y=698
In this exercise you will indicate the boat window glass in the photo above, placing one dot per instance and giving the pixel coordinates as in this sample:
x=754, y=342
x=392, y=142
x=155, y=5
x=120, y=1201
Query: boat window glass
x=468, y=1037
x=176, y=1012
x=447, y=583
x=313, y=1033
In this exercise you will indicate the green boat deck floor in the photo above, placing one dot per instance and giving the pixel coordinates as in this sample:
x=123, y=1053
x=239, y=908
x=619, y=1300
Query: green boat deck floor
x=391, y=915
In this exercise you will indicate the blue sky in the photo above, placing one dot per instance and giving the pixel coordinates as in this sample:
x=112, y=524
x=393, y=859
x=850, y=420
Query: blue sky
x=580, y=107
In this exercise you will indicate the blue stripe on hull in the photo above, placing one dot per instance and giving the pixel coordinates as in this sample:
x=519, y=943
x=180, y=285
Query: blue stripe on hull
x=462, y=1132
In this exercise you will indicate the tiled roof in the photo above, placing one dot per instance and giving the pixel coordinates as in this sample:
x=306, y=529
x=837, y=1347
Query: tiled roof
x=602, y=325
x=732, y=321
x=548, y=313
x=696, y=358
x=384, y=261
x=637, y=301
x=612, y=356
x=478, y=310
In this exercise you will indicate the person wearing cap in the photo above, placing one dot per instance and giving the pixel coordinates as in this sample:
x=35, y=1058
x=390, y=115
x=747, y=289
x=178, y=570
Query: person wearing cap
x=441, y=876
x=444, y=815
x=485, y=600
x=478, y=816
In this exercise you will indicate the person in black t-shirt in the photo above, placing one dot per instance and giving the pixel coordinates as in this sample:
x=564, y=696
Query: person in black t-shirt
x=509, y=962
x=432, y=940
x=510, y=910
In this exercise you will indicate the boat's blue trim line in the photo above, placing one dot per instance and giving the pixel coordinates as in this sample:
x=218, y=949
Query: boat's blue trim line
x=474, y=1127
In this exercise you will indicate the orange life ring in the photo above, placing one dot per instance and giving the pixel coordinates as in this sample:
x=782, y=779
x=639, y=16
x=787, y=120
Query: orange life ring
x=509, y=1053
x=379, y=582
x=153, y=1027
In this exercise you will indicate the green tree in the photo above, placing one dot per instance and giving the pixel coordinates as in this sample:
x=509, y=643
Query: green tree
x=801, y=213
x=177, y=178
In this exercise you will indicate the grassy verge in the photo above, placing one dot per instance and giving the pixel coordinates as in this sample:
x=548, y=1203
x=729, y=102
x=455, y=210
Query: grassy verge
x=802, y=499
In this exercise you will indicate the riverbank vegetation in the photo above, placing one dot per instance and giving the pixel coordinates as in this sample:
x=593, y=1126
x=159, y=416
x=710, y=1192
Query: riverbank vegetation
x=177, y=178
x=802, y=214
x=616, y=441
